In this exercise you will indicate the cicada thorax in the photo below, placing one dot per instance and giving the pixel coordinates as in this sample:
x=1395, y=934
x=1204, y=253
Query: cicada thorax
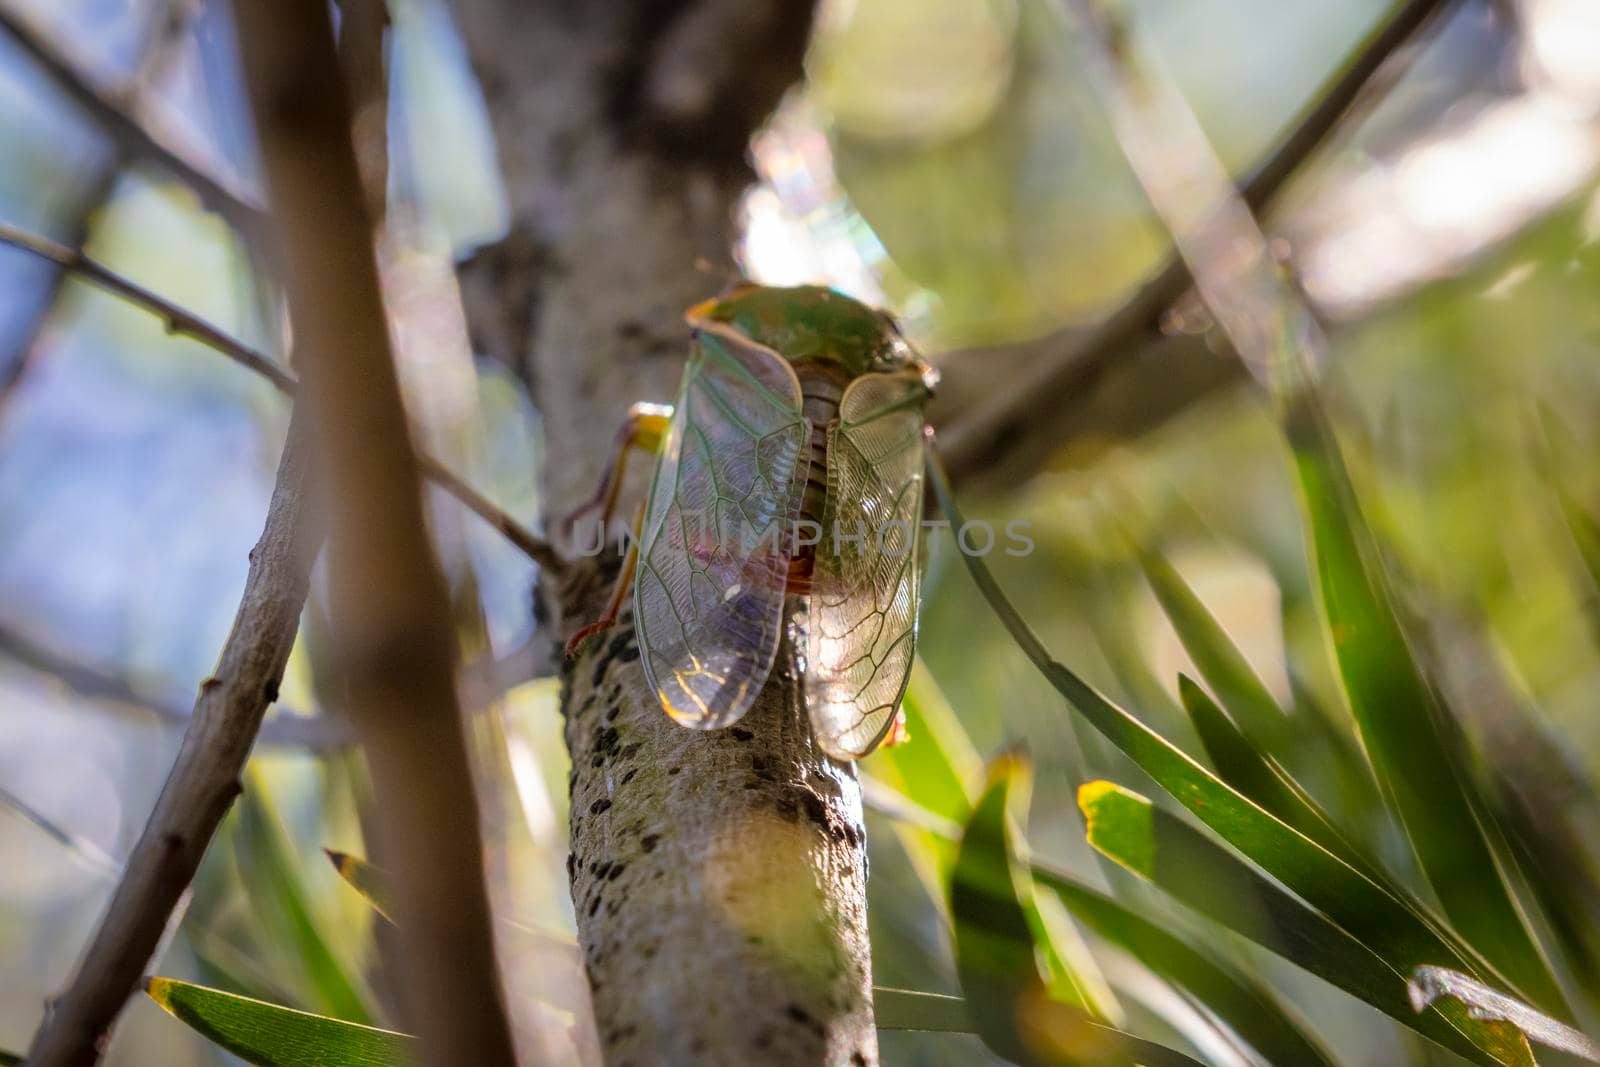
x=822, y=386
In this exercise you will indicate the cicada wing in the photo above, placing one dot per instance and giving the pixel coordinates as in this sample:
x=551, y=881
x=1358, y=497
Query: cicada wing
x=713, y=548
x=861, y=628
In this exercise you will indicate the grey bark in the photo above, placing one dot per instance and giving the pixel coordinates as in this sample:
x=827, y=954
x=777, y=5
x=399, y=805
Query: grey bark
x=720, y=878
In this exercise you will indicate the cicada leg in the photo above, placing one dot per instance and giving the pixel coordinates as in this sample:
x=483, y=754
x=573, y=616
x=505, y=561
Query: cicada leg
x=899, y=733
x=645, y=429
x=619, y=592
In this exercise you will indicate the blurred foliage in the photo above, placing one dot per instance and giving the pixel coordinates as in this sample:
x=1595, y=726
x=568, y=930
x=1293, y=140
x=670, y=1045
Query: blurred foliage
x=966, y=136
x=134, y=469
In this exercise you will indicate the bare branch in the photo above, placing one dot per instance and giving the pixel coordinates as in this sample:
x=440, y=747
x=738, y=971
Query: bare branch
x=166, y=29
x=1122, y=376
x=132, y=138
x=203, y=781
x=187, y=324
x=287, y=729
x=393, y=640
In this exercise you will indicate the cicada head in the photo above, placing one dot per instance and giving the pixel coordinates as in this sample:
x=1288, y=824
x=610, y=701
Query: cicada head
x=809, y=323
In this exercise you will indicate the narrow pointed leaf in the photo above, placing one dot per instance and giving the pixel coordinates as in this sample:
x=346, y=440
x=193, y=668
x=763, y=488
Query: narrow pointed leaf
x=273, y=882
x=1246, y=768
x=1244, y=1005
x=1217, y=658
x=1405, y=727
x=1428, y=984
x=1367, y=911
x=997, y=958
x=272, y=1036
x=364, y=878
x=904, y=1009
x=1585, y=532
x=1559, y=448
x=1249, y=1009
x=940, y=766
x=1171, y=854
x=938, y=761
x=1239, y=690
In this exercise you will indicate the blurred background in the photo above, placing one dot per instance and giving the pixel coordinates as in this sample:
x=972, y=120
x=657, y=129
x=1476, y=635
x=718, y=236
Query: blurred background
x=943, y=158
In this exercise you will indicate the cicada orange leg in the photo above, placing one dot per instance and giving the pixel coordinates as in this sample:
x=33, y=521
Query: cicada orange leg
x=619, y=592
x=899, y=733
x=645, y=430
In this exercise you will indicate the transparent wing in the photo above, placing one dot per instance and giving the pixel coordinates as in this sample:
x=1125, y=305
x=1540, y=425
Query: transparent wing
x=713, y=558
x=862, y=623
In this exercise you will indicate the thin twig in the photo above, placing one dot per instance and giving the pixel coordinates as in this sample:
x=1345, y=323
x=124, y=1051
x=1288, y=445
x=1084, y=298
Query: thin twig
x=131, y=136
x=165, y=29
x=184, y=323
x=483, y=682
x=204, y=779
x=177, y=321
x=1057, y=372
x=90, y=853
x=287, y=728
x=393, y=640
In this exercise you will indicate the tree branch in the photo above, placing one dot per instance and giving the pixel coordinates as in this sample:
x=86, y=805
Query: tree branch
x=718, y=878
x=133, y=140
x=1123, y=376
x=203, y=781
x=167, y=29
x=393, y=641
x=287, y=729
x=184, y=323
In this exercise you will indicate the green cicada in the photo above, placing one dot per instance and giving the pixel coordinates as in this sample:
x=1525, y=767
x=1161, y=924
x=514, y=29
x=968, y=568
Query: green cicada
x=786, y=501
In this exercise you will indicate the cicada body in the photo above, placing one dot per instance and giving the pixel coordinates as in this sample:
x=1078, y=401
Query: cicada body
x=787, y=501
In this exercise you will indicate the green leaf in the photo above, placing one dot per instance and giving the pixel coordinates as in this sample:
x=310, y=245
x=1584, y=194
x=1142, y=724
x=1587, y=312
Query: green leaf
x=1173, y=855
x=1247, y=1007
x=1585, y=532
x=1217, y=658
x=1428, y=984
x=938, y=761
x=1241, y=692
x=1404, y=725
x=364, y=878
x=10, y=1059
x=272, y=1036
x=1369, y=912
x=903, y=1009
x=273, y=882
x=941, y=768
x=939, y=765
x=1256, y=775
x=997, y=955
x=1558, y=448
